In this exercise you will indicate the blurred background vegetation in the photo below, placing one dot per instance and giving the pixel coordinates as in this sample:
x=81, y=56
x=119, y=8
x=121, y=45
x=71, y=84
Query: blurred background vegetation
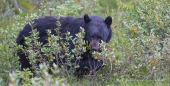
x=141, y=38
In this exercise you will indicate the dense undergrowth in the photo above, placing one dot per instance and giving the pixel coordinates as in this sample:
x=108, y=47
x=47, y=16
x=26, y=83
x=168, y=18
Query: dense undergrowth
x=138, y=54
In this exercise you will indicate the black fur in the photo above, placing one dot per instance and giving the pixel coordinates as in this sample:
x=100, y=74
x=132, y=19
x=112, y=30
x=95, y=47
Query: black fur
x=96, y=29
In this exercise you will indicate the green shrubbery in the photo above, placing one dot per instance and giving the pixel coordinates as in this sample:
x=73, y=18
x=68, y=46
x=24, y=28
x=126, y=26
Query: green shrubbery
x=139, y=49
x=142, y=41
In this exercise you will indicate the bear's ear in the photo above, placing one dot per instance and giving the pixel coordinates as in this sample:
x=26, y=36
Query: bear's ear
x=86, y=18
x=109, y=36
x=108, y=20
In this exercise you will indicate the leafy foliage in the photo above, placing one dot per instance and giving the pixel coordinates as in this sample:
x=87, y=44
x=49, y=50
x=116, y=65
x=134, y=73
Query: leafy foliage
x=138, y=51
x=145, y=55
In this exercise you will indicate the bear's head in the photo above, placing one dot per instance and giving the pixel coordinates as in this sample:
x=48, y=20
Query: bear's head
x=96, y=30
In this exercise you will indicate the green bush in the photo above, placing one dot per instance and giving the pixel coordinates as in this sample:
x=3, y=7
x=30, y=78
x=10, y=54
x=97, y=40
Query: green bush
x=145, y=33
x=138, y=51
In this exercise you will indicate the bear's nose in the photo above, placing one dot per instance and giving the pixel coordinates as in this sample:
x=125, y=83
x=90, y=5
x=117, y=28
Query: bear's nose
x=95, y=48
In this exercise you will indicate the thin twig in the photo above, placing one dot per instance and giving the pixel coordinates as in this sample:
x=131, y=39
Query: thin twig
x=108, y=75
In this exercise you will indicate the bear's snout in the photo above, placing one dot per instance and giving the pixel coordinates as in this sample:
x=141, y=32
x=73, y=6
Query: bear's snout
x=95, y=45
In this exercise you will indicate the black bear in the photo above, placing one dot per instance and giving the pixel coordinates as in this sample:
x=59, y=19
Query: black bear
x=96, y=30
